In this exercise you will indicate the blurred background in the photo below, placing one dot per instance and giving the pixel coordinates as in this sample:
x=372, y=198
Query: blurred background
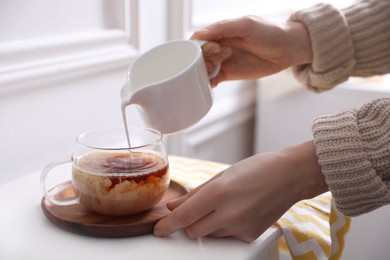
x=62, y=64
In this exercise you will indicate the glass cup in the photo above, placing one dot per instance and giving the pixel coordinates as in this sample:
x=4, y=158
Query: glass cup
x=111, y=178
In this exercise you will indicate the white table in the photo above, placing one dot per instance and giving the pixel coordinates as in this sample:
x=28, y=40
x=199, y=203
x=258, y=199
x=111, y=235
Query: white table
x=26, y=234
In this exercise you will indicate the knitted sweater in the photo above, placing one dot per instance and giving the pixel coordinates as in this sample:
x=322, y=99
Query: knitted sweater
x=353, y=146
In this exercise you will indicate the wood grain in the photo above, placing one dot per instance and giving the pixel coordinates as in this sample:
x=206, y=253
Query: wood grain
x=76, y=218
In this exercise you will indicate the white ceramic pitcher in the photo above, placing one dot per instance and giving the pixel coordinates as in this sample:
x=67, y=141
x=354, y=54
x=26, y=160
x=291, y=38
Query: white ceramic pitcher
x=170, y=86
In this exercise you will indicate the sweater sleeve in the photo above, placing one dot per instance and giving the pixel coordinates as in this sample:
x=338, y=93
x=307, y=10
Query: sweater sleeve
x=353, y=148
x=349, y=42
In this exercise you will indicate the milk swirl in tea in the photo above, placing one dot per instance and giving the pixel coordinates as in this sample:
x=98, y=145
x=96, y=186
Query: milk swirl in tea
x=120, y=183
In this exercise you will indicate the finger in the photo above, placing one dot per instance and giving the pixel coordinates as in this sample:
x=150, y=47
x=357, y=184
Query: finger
x=239, y=228
x=223, y=29
x=205, y=226
x=223, y=224
x=211, y=48
x=181, y=217
x=190, y=211
x=218, y=58
x=230, y=225
x=177, y=202
x=223, y=232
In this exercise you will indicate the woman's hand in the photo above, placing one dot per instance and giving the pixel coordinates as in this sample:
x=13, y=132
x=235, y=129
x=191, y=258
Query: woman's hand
x=251, y=47
x=247, y=198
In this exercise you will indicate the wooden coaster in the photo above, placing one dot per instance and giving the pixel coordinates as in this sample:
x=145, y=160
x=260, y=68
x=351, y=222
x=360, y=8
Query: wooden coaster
x=76, y=218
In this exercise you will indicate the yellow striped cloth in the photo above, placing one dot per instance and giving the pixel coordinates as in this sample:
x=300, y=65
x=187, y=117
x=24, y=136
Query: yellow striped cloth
x=312, y=229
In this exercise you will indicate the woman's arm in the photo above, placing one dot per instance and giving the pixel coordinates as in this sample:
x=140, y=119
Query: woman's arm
x=353, y=147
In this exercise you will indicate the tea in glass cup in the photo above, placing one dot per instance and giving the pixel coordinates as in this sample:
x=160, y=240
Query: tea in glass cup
x=111, y=178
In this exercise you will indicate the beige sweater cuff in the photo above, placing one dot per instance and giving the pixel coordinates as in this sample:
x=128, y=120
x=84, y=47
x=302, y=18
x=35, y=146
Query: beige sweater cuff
x=369, y=23
x=349, y=42
x=353, y=151
x=333, y=52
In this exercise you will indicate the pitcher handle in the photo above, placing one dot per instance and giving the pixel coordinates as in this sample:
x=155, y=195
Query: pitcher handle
x=217, y=68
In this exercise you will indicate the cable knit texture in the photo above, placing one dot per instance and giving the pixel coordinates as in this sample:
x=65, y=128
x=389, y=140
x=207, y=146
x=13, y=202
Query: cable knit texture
x=353, y=146
x=333, y=52
x=369, y=22
x=349, y=42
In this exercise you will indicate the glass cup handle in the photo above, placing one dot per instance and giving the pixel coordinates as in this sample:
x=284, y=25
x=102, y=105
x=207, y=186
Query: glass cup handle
x=217, y=68
x=48, y=196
